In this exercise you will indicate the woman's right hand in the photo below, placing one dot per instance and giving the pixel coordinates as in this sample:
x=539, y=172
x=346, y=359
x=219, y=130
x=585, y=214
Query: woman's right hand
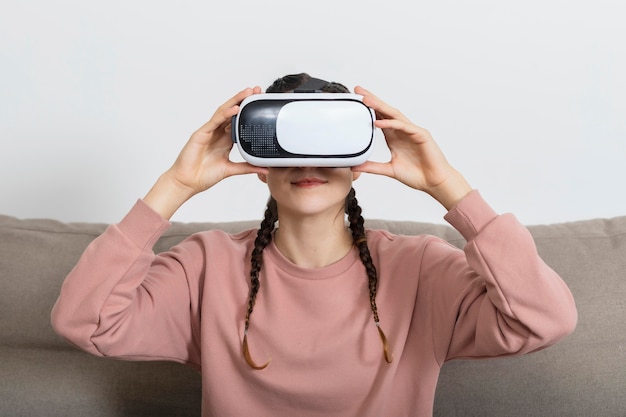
x=203, y=162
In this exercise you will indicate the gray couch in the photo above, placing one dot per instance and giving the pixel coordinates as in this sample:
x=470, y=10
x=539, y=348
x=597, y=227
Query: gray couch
x=41, y=375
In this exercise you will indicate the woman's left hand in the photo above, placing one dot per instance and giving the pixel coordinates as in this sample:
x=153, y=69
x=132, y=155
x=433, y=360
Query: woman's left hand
x=416, y=160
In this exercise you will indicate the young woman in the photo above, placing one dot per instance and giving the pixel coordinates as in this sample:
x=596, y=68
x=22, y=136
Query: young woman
x=289, y=320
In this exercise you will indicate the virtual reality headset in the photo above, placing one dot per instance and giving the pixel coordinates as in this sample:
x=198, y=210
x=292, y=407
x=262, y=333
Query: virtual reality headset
x=304, y=129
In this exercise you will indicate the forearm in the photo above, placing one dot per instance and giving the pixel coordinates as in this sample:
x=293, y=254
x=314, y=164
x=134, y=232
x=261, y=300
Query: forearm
x=121, y=300
x=507, y=300
x=108, y=261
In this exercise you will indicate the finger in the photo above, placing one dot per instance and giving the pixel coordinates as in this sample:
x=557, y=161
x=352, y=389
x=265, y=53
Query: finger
x=241, y=168
x=382, y=109
x=394, y=124
x=241, y=96
x=227, y=110
x=399, y=125
x=378, y=168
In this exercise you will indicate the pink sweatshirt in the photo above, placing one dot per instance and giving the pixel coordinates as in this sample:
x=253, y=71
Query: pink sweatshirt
x=436, y=303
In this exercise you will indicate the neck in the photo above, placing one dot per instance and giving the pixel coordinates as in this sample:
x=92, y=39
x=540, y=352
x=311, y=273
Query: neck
x=313, y=242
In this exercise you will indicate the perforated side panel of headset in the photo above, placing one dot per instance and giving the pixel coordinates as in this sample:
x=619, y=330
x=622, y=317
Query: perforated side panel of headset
x=260, y=139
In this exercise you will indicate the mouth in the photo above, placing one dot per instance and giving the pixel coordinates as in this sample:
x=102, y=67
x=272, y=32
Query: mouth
x=307, y=182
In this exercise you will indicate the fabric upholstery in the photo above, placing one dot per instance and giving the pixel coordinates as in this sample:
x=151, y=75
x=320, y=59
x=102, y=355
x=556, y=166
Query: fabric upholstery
x=42, y=375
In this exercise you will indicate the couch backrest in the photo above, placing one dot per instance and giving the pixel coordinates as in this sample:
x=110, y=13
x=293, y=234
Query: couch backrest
x=35, y=257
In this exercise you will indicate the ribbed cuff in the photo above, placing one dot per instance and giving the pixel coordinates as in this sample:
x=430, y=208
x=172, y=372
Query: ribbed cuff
x=470, y=215
x=143, y=226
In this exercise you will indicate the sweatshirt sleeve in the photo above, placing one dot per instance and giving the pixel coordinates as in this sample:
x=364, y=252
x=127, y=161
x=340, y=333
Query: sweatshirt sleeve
x=497, y=297
x=108, y=303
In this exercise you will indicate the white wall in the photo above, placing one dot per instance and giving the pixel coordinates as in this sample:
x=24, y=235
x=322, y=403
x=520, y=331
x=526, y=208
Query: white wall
x=527, y=99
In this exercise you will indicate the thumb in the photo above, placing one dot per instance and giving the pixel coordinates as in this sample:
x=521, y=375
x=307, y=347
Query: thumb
x=378, y=168
x=241, y=168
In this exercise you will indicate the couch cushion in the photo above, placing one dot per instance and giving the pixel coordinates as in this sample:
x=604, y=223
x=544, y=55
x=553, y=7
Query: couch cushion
x=35, y=257
x=584, y=374
x=61, y=383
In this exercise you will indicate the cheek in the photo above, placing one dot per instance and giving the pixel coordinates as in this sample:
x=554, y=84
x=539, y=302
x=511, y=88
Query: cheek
x=279, y=189
x=348, y=177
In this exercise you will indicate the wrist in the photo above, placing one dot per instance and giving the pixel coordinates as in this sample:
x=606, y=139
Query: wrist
x=450, y=192
x=167, y=195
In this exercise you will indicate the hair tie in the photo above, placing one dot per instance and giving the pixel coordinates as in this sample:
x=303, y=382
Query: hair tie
x=362, y=239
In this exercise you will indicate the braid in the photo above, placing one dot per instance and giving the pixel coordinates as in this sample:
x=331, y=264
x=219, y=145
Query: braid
x=263, y=238
x=264, y=235
x=356, y=224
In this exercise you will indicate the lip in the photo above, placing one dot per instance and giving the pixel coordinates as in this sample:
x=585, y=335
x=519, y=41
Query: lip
x=307, y=182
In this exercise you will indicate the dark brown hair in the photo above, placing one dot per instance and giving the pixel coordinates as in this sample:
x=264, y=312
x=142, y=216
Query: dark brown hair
x=291, y=82
x=265, y=232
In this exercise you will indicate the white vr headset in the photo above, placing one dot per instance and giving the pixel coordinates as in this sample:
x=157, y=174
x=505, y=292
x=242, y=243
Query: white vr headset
x=304, y=129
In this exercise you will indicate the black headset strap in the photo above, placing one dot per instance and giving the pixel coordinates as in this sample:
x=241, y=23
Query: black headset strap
x=313, y=85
